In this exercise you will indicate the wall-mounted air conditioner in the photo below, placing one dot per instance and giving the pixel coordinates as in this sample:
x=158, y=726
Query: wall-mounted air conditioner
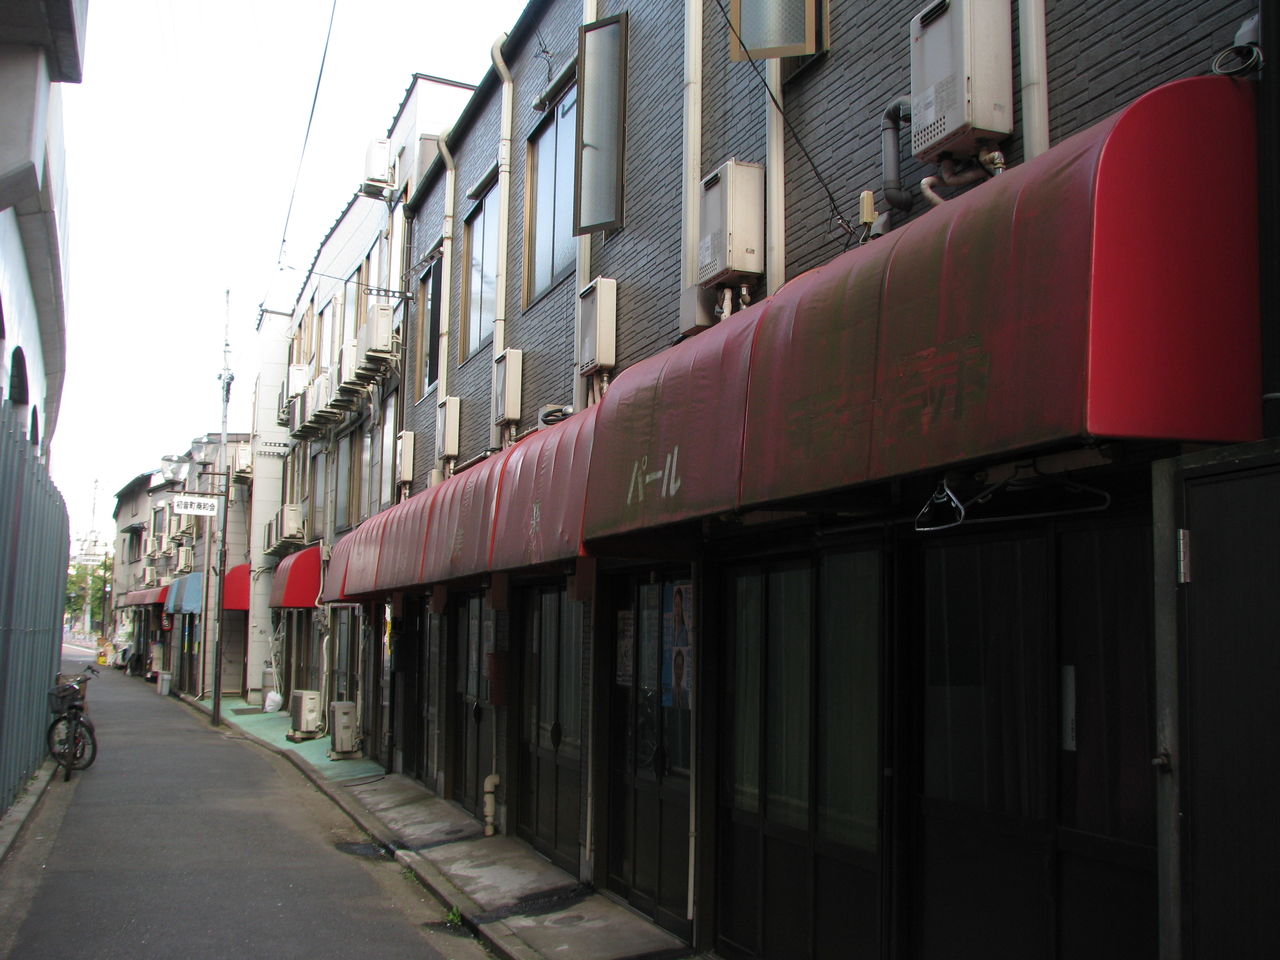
x=447, y=424
x=342, y=727
x=186, y=559
x=731, y=247
x=149, y=576
x=350, y=378
x=298, y=414
x=304, y=712
x=379, y=177
x=961, y=77
x=154, y=547
x=289, y=524
x=175, y=527
x=506, y=386
x=376, y=343
x=404, y=456
x=598, y=325
x=298, y=378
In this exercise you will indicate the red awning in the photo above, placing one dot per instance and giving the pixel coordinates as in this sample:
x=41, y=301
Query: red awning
x=335, y=574
x=544, y=484
x=1060, y=301
x=137, y=598
x=362, y=557
x=235, y=589
x=668, y=439
x=297, y=579
x=462, y=510
x=404, y=539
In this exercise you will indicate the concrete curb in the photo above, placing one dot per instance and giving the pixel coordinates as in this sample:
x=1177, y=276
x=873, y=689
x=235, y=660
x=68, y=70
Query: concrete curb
x=15, y=818
x=495, y=934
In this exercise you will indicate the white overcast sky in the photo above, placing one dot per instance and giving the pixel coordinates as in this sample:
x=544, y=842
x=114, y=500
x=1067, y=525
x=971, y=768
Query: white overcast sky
x=182, y=146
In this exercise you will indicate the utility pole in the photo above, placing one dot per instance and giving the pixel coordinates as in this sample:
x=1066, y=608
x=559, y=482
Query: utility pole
x=226, y=377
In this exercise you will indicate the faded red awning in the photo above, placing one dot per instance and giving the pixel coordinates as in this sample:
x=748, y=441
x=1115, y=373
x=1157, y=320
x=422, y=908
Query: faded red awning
x=362, y=557
x=1058, y=302
x=138, y=598
x=462, y=511
x=335, y=573
x=540, y=502
x=668, y=438
x=297, y=579
x=235, y=589
x=404, y=552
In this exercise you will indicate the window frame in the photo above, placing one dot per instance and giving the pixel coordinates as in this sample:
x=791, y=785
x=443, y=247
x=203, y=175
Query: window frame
x=474, y=330
x=552, y=123
x=817, y=30
x=429, y=324
x=585, y=79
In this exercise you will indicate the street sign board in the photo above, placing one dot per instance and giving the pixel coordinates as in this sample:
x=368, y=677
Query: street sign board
x=200, y=506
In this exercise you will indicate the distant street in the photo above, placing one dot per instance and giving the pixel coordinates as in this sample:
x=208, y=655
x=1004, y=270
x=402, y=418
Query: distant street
x=183, y=841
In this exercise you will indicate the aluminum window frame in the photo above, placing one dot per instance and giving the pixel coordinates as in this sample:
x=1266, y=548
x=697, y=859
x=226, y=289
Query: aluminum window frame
x=586, y=80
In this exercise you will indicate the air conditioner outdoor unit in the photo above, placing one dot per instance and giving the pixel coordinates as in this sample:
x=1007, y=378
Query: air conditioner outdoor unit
x=282, y=406
x=154, y=547
x=732, y=206
x=598, y=325
x=304, y=713
x=149, y=575
x=298, y=414
x=297, y=380
x=961, y=77
x=447, y=427
x=376, y=346
x=342, y=728
x=269, y=538
x=186, y=559
x=378, y=175
x=404, y=456
x=176, y=531
x=289, y=522
x=350, y=376
x=506, y=386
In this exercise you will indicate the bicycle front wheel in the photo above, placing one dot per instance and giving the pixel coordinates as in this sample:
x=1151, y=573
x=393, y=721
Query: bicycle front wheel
x=79, y=755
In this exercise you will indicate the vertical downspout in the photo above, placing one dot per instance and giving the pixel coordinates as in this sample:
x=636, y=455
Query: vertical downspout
x=446, y=281
x=1035, y=85
x=582, y=277
x=504, y=211
x=775, y=177
x=691, y=208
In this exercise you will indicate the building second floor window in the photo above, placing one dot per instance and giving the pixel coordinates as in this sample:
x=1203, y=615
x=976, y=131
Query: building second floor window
x=480, y=282
x=552, y=250
x=428, y=328
x=776, y=28
x=602, y=71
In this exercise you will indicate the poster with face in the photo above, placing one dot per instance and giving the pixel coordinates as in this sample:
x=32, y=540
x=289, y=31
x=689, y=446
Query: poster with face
x=677, y=646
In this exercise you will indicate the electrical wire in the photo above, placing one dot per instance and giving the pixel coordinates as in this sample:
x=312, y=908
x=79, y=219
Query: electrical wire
x=837, y=217
x=315, y=97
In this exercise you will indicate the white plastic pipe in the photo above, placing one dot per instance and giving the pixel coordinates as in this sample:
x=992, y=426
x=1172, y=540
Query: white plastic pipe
x=775, y=176
x=582, y=277
x=1035, y=83
x=497, y=434
x=446, y=274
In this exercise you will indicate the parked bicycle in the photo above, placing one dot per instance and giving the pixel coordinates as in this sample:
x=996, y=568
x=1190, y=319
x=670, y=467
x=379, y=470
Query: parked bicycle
x=72, y=740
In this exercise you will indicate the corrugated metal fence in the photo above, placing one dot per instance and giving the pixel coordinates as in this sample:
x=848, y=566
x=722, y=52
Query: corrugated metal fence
x=34, y=548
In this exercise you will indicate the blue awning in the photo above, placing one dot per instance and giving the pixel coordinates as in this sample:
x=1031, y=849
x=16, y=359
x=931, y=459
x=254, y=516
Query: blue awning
x=193, y=593
x=173, y=602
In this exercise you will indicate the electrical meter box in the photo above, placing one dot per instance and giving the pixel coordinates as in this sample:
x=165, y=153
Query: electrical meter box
x=731, y=247
x=961, y=77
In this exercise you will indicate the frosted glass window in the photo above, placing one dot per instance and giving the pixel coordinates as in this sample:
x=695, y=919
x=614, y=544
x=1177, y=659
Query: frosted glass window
x=774, y=28
x=602, y=64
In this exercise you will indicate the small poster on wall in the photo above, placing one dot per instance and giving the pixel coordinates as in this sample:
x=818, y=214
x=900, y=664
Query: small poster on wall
x=678, y=647
x=626, y=647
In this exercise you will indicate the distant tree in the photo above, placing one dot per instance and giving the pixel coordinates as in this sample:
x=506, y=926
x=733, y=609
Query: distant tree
x=85, y=584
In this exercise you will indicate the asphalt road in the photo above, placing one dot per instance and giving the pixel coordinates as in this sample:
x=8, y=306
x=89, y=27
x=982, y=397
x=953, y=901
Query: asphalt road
x=185, y=841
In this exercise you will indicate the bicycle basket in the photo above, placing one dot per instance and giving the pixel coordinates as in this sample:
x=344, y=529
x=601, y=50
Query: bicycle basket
x=62, y=696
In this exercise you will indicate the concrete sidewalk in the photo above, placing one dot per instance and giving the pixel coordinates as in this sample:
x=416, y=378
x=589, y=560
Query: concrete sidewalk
x=515, y=900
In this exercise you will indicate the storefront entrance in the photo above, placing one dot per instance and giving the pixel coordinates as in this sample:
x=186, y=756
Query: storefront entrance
x=799, y=830
x=1031, y=815
x=650, y=748
x=473, y=736
x=551, y=725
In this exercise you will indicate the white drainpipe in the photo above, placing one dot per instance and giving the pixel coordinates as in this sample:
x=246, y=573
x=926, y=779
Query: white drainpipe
x=582, y=277
x=504, y=211
x=446, y=280
x=775, y=168
x=1035, y=82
